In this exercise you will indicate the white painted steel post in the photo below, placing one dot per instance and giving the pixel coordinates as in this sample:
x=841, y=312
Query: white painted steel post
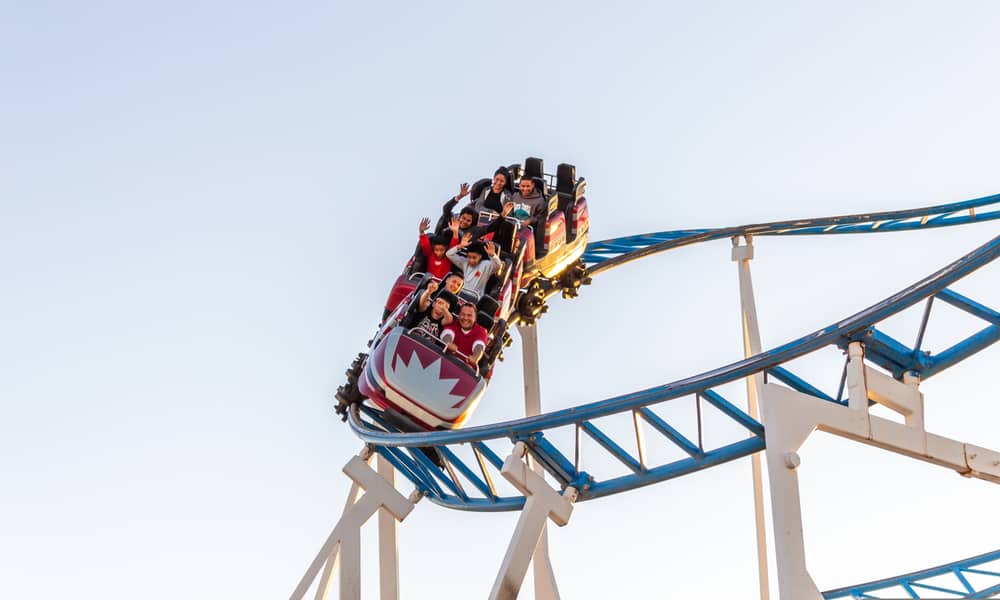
x=529, y=358
x=388, y=540
x=786, y=432
x=350, y=561
x=542, y=502
x=323, y=589
x=751, y=346
x=343, y=545
x=791, y=417
x=857, y=391
x=545, y=579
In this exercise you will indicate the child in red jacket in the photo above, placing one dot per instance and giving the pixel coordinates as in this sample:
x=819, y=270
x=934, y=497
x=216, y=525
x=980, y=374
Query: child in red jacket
x=437, y=264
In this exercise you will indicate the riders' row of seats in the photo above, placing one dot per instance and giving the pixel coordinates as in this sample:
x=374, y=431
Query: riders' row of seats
x=486, y=308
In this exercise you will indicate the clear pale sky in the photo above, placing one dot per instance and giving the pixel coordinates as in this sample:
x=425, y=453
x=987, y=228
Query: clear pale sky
x=203, y=206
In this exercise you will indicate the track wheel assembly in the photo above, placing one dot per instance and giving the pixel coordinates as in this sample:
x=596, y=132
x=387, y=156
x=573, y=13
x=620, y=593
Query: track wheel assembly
x=532, y=303
x=348, y=393
x=572, y=278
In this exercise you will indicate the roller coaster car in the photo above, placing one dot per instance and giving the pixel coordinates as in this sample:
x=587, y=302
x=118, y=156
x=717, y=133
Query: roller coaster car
x=410, y=375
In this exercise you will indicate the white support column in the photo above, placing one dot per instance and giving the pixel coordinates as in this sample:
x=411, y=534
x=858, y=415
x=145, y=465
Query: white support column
x=343, y=545
x=388, y=540
x=529, y=359
x=323, y=589
x=786, y=432
x=544, y=576
x=792, y=416
x=857, y=390
x=751, y=346
x=542, y=502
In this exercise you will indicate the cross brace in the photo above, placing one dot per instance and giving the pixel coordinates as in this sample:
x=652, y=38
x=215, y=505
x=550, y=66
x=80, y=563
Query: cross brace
x=542, y=502
x=790, y=417
x=343, y=545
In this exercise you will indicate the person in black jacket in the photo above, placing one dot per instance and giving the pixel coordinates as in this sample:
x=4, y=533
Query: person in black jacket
x=496, y=195
x=446, y=210
x=465, y=224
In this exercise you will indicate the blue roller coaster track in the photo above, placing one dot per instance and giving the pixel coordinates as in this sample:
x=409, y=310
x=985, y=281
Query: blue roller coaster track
x=465, y=479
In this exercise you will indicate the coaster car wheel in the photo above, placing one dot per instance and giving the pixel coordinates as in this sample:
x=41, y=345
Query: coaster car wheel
x=348, y=393
x=532, y=303
x=572, y=278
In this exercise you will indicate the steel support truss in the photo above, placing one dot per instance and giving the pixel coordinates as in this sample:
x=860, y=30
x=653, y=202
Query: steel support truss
x=791, y=416
x=542, y=502
x=343, y=546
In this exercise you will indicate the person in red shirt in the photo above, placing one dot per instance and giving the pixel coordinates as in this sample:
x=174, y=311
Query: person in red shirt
x=437, y=264
x=465, y=336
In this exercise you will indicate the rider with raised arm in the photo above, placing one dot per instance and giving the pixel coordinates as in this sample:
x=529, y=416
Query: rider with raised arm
x=475, y=270
x=434, y=314
x=446, y=211
x=434, y=251
x=465, y=336
x=465, y=223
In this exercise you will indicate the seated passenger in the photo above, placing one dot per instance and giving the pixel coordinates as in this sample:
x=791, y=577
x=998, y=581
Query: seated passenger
x=466, y=223
x=494, y=197
x=531, y=208
x=434, y=251
x=433, y=316
x=475, y=271
x=529, y=204
x=446, y=214
x=453, y=283
x=466, y=336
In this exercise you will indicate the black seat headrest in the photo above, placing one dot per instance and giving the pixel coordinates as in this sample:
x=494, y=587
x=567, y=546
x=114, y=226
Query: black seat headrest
x=467, y=297
x=485, y=320
x=504, y=235
x=565, y=178
x=540, y=186
x=533, y=167
x=488, y=305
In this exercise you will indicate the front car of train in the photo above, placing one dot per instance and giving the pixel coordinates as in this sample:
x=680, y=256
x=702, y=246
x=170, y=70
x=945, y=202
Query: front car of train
x=410, y=374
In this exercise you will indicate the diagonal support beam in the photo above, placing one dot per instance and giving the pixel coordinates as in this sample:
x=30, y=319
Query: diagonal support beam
x=343, y=545
x=542, y=502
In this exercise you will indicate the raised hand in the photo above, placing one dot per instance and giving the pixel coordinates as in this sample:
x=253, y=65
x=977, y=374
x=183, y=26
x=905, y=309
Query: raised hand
x=454, y=225
x=490, y=248
x=466, y=240
x=432, y=286
x=425, y=223
x=463, y=191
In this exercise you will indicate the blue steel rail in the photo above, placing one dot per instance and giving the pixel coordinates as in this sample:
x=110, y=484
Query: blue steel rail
x=954, y=579
x=468, y=484
x=608, y=254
